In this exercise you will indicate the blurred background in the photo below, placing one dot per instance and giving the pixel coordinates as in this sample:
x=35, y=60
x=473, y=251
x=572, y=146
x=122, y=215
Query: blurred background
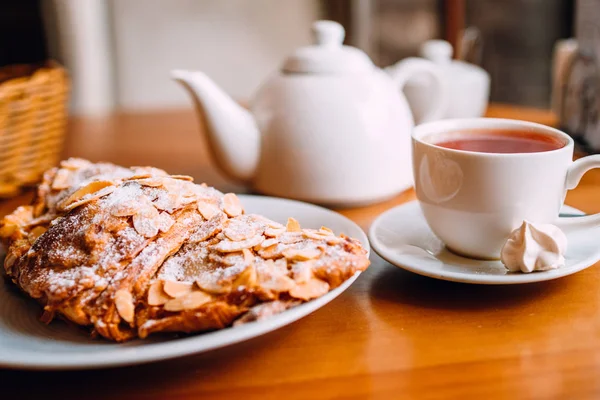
x=119, y=52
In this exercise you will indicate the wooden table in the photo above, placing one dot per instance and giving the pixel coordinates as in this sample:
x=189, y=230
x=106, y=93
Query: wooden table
x=393, y=334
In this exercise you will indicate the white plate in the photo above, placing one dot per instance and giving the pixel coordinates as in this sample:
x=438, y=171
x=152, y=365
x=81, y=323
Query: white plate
x=401, y=237
x=27, y=343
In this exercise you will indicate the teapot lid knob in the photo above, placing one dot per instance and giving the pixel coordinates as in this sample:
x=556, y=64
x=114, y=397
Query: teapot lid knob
x=327, y=55
x=328, y=33
x=438, y=51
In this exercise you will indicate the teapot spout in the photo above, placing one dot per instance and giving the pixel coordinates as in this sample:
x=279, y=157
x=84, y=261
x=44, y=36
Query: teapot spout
x=233, y=135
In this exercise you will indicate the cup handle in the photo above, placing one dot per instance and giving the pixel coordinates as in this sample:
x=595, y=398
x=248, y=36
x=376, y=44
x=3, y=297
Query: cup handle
x=403, y=70
x=574, y=175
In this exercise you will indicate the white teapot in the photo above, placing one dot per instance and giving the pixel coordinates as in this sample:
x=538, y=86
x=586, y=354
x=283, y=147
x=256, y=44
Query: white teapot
x=468, y=85
x=329, y=127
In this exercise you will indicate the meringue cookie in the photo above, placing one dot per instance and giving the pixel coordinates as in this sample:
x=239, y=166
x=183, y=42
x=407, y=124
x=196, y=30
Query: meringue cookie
x=534, y=247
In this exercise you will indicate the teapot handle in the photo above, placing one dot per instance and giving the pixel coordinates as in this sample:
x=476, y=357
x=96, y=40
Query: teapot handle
x=403, y=70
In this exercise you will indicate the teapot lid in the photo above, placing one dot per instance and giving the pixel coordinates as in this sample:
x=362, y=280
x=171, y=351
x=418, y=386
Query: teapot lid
x=327, y=55
x=440, y=52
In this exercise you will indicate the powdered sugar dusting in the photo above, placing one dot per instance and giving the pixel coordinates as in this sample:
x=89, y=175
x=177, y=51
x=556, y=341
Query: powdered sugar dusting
x=151, y=228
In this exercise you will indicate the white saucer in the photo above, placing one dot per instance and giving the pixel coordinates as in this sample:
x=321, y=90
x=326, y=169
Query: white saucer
x=401, y=237
x=26, y=343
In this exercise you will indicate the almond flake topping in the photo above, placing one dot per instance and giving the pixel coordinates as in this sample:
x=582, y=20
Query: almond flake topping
x=165, y=222
x=156, y=294
x=125, y=209
x=309, y=290
x=278, y=283
x=331, y=240
x=148, y=171
x=74, y=163
x=274, y=232
x=146, y=222
x=209, y=283
x=232, y=205
x=208, y=210
x=325, y=230
x=152, y=181
x=301, y=254
x=246, y=278
x=62, y=180
x=89, y=198
x=137, y=176
x=272, y=276
x=268, y=222
x=89, y=192
x=292, y=225
x=268, y=243
x=124, y=304
x=270, y=252
x=170, y=201
x=209, y=229
x=302, y=271
x=291, y=237
x=189, y=301
x=183, y=178
x=177, y=289
x=239, y=230
x=312, y=234
x=128, y=201
x=248, y=256
x=228, y=246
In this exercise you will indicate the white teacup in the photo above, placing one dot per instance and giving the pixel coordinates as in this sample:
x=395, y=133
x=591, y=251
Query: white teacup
x=473, y=200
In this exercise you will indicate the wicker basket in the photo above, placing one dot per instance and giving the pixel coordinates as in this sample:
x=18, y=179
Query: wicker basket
x=33, y=115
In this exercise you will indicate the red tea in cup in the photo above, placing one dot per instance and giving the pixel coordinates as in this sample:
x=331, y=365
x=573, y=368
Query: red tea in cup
x=498, y=141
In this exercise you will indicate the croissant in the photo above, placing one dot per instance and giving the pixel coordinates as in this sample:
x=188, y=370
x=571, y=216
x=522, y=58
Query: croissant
x=129, y=252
